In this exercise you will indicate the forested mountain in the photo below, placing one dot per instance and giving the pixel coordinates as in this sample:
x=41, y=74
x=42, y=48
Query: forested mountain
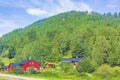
x=93, y=36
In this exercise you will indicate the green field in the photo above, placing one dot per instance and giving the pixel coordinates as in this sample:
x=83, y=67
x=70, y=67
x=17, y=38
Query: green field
x=54, y=76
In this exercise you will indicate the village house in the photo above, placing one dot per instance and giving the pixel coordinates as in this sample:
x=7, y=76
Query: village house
x=4, y=69
x=74, y=61
x=12, y=66
x=25, y=65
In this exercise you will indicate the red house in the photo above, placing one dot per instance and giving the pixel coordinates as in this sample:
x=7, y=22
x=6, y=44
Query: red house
x=12, y=66
x=25, y=65
x=4, y=69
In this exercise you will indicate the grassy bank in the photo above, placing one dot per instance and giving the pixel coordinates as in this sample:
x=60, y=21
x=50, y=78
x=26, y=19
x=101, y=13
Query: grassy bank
x=54, y=76
x=104, y=72
x=48, y=75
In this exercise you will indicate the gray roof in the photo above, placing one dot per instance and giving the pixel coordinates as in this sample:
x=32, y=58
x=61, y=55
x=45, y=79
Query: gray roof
x=20, y=63
x=5, y=67
x=17, y=64
x=25, y=61
x=71, y=59
x=14, y=64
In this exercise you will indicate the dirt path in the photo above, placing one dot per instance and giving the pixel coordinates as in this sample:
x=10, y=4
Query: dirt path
x=12, y=77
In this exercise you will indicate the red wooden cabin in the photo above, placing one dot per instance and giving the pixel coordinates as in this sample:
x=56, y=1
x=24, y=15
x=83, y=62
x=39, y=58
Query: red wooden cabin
x=25, y=65
x=12, y=66
x=4, y=69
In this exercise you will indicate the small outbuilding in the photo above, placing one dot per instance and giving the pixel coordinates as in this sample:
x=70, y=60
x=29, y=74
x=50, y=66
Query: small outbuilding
x=49, y=65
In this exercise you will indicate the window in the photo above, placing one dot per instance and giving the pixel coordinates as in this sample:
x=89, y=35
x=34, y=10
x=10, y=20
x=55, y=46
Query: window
x=35, y=68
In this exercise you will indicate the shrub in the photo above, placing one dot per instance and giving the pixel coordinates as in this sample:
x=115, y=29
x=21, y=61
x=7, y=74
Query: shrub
x=18, y=70
x=66, y=67
x=104, y=71
x=117, y=70
x=85, y=65
x=1, y=64
x=32, y=71
x=48, y=74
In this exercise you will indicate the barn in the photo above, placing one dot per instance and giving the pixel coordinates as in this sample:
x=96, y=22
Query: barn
x=25, y=65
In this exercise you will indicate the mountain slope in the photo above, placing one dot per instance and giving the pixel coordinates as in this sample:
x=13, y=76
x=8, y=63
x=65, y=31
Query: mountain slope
x=70, y=34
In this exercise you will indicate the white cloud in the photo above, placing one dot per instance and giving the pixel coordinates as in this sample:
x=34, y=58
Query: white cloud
x=111, y=6
x=39, y=8
x=36, y=11
x=6, y=26
x=50, y=7
x=67, y=5
x=6, y=23
x=84, y=7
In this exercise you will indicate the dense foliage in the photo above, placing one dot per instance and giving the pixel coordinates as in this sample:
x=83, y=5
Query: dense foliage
x=32, y=71
x=86, y=65
x=17, y=70
x=73, y=34
x=105, y=71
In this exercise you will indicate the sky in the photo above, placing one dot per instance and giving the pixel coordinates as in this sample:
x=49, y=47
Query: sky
x=16, y=14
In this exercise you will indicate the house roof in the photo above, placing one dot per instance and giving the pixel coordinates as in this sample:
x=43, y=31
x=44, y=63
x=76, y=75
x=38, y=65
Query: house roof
x=25, y=61
x=20, y=63
x=50, y=63
x=15, y=64
x=71, y=59
x=5, y=67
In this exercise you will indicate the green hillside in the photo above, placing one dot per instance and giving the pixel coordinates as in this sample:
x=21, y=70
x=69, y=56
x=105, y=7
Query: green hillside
x=93, y=36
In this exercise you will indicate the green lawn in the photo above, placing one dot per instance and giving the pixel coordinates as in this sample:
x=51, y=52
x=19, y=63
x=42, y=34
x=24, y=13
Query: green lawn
x=65, y=76
x=72, y=74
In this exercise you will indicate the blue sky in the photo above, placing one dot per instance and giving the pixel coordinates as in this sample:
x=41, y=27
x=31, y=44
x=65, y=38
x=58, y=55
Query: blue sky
x=16, y=14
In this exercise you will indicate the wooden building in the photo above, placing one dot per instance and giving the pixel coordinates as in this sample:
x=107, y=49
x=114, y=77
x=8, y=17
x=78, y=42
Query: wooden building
x=25, y=65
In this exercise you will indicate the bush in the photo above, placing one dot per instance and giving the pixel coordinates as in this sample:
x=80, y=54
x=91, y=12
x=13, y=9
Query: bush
x=18, y=70
x=32, y=71
x=1, y=64
x=117, y=70
x=85, y=65
x=105, y=71
x=66, y=67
